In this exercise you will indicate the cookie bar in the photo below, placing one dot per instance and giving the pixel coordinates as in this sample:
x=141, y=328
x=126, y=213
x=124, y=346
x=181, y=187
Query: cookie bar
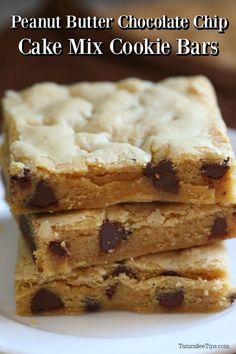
x=191, y=280
x=91, y=145
x=64, y=241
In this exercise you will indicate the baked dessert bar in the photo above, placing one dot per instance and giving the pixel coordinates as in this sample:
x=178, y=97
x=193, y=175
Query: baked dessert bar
x=191, y=280
x=64, y=241
x=91, y=145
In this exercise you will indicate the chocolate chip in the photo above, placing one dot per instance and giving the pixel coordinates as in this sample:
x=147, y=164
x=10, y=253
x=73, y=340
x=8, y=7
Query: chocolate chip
x=111, y=234
x=172, y=299
x=123, y=269
x=44, y=300
x=163, y=176
x=91, y=304
x=24, y=179
x=215, y=170
x=219, y=228
x=232, y=297
x=111, y=290
x=234, y=212
x=148, y=170
x=58, y=248
x=27, y=233
x=169, y=273
x=43, y=196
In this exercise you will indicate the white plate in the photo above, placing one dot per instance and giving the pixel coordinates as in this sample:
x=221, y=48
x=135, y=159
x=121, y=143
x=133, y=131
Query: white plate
x=105, y=333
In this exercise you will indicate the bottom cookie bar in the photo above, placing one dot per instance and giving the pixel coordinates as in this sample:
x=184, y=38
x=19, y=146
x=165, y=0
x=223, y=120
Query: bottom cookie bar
x=190, y=280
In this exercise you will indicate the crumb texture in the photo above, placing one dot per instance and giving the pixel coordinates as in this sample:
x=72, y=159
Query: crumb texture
x=138, y=285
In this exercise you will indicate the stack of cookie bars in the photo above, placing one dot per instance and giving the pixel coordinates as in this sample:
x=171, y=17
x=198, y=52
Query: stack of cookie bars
x=123, y=193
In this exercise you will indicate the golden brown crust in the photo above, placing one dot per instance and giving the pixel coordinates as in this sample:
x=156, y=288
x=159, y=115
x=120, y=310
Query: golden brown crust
x=99, y=144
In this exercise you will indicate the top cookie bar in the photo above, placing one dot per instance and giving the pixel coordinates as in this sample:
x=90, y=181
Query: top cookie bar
x=91, y=145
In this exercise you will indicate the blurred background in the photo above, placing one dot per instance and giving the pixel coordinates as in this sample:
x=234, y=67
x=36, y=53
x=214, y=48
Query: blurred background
x=18, y=71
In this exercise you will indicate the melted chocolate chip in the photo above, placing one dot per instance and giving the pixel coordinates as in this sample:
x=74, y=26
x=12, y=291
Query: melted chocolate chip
x=43, y=196
x=123, y=269
x=111, y=234
x=148, y=170
x=163, y=176
x=27, y=233
x=215, y=170
x=173, y=299
x=170, y=273
x=91, y=304
x=232, y=297
x=44, y=300
x=24, y=180
x=111, y=290
x=219, y=228
x=57, y=248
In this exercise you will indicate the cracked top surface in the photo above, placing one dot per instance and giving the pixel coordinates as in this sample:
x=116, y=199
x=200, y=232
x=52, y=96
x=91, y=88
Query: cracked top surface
x=128, y=123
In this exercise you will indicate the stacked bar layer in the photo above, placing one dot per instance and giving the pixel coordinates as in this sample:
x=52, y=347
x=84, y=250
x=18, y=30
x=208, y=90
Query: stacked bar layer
x=64, y=241
x=123, y=192
x=191, y=280
x=91, y=145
